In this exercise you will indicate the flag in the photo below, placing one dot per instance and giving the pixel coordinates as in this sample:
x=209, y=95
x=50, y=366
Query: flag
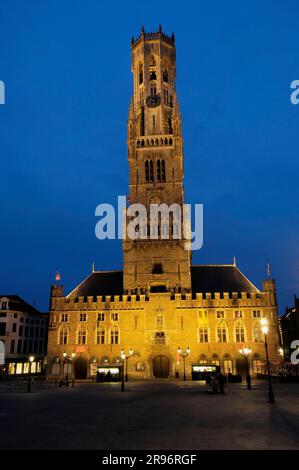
x=57, y=276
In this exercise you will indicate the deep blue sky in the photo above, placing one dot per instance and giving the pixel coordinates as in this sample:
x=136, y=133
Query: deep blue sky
x=66, y=67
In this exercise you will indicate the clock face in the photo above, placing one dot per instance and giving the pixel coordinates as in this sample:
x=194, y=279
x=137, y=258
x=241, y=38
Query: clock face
x=153, y=100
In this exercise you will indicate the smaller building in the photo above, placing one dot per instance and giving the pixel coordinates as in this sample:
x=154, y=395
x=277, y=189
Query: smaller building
x=290, y=327
x=23, y=331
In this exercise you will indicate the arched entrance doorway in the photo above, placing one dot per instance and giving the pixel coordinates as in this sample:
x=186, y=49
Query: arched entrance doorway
x=80, y=368
x=161, y=367
x=242, y=366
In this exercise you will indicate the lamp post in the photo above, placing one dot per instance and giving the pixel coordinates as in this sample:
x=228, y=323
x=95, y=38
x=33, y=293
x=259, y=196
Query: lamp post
x=184, y=354
x=281, y=352
x=31, y=359
x=246, y=353
x=125, y=357
x=265, y=329
x=68, y=360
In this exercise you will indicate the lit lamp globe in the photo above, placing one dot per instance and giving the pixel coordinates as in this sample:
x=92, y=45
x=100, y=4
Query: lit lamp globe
x=31, y=359
x=264, y=323
x=245, y=351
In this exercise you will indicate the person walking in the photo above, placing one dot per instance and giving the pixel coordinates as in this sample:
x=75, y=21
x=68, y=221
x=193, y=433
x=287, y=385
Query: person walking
x=221, y=383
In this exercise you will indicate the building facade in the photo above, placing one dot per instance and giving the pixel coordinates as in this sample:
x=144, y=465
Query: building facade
x=23, y=330
x=160, y=301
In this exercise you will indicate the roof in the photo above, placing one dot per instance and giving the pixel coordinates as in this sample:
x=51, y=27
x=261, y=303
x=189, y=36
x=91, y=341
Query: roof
x=204, y=278
x=220, y=278
x=19, y=305
x=100, y=283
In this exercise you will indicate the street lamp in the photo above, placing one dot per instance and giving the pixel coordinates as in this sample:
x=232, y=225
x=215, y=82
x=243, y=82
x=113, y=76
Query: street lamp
x=68, y=360
x=126, y=357
x=246, y=352
x=31, y=359
x=67, y=368
x=281, y=352
x=265, y=329
x=184, y=354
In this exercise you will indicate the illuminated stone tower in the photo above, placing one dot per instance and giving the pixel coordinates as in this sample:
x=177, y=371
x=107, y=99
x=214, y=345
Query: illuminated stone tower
x=155, y=154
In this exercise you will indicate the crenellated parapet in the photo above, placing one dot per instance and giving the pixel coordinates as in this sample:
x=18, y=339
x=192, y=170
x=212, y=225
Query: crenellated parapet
x=155, y=35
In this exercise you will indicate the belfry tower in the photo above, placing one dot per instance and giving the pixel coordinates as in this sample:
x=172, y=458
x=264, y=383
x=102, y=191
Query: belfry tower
x=155, y=154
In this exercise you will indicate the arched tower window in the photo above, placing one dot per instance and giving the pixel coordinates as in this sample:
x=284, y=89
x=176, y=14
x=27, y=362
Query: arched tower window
x=140, y=74
x=169, y=121
x=151, y=174
x=149, y=171
x=152, y=69
x=165, y=75
x=163, y=173
x=158, y=170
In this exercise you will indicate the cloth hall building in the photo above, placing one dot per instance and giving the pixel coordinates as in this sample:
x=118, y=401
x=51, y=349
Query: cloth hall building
x=159, y=301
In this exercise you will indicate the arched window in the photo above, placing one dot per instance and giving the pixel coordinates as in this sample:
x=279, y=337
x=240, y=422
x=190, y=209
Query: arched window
x=158, y=170
x=256, y=333
x=56, y=366
x=257, y=365
x=165, y=75
x=153, y=89
x=149, y=171
x=166, y=97
x=63, y=335
x=101, y=335
x=114, y=335
x=215, y=360
x=240, y=332
x=228, y=366
x=169, y=120
x=222, y=333
x=82, y=336
x=163, y=173
x=152, y=69
x=203, y=359
x=140, y=74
